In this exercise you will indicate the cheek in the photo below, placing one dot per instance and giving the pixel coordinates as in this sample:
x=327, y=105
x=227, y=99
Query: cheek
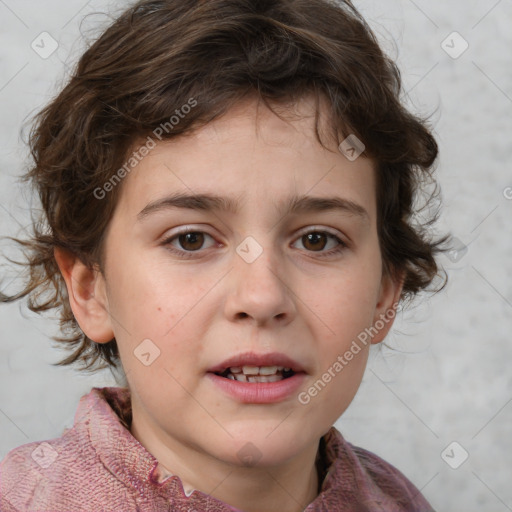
x=169, y=311
x=152, y=299
x=345, y=303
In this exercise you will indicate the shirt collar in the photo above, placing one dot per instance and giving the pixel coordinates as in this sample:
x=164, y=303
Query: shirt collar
x=104, y=416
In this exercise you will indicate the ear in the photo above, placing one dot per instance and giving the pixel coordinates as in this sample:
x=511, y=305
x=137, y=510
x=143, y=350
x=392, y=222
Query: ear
x=87, y=296
x=385, y=311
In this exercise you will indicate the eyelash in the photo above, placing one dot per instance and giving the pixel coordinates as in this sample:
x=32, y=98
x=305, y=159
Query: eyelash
x=191, y=254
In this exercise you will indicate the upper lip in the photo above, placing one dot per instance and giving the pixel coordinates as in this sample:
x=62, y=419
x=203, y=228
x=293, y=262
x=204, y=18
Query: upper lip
x=254, y=359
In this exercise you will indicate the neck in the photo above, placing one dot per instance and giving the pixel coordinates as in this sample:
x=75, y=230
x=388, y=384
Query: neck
x=289, y=487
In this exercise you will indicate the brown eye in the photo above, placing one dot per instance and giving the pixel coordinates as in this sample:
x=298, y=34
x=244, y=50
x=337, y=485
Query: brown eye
x=187, y=243
x=318, y=241
x=191, y=241
x=315, y=240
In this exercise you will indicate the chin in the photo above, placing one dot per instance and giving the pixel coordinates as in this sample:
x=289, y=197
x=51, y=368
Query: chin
x=267, y=447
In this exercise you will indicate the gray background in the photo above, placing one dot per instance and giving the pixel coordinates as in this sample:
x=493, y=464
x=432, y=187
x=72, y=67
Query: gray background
x=447, y=378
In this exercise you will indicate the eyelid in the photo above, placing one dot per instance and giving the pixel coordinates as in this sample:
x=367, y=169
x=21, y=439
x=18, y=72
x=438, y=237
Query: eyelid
x=315, y=227
x=341, y=239
x=186, y=228
x=330, y=231
x=189, y=228
x=183, y=230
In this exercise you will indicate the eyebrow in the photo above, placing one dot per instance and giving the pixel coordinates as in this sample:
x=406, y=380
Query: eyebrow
x=213, y=203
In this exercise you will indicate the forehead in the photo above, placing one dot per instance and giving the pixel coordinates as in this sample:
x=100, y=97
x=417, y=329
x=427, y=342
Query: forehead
x=255, y=159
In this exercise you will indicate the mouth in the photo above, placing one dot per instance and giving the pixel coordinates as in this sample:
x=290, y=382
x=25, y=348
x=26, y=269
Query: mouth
x=258, y=378
x=252, y=367
x=256, y=373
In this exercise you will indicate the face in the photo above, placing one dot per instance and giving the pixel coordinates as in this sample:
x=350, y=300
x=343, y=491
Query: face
x=191, y=291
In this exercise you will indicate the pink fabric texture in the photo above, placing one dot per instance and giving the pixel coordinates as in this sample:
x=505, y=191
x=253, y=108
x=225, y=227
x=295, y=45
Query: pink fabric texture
x=98, y=466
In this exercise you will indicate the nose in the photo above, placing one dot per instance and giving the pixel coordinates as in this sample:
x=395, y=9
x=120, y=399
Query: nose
x=259, y=291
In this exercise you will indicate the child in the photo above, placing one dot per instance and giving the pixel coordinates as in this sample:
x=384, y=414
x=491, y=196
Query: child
x=258, y=128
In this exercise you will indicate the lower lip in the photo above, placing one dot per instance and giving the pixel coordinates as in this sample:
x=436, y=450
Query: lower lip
x=259, y=392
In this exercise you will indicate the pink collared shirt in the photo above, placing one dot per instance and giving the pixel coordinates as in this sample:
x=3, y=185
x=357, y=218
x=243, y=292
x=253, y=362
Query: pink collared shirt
x=98, y=466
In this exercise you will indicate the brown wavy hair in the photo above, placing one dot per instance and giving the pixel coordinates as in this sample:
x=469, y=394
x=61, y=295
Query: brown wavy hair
x=153, y=59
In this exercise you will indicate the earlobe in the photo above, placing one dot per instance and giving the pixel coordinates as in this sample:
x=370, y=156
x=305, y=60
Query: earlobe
x=385, y=311
x=87, y=296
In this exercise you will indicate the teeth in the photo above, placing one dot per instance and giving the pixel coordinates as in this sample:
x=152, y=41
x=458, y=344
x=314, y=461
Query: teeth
x=251, y=370
x=268, y=370
x=264, y=378
x=260, y=370
x=256, y=373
